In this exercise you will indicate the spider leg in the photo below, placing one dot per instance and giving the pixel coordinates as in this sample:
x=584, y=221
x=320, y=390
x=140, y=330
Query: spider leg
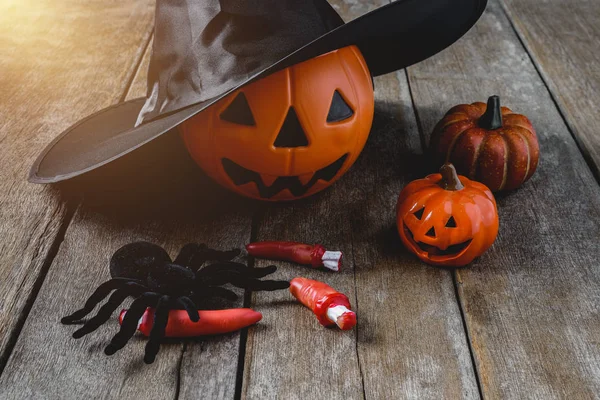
x=161, y=317
x=218, y=255
x=189, y=252
x=189, y=306
x=262, y=272
x=236, y=267
x=257, y=285
x=107, y=309
x=215, y=291
x=232, y=276
x=99, y=294
x=130, y=322
x=194, y=255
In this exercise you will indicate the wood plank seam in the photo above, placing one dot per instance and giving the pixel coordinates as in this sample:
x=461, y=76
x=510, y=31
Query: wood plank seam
x=466, y=298
x=71, y=206
x=239, y=379
x=138, y=63
x=422, y=137
x=467, y=334
x=424, y=147
x=357, y=327
x=179, y=369
x=14, y=335
x=589, y=160
x=416, y=111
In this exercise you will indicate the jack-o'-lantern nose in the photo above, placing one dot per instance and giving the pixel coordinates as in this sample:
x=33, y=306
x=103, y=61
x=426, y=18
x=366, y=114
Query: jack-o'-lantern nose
x=291, y=133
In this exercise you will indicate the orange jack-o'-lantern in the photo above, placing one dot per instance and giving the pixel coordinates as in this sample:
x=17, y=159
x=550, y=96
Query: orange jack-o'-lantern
x=446, y=219
x=288, y=135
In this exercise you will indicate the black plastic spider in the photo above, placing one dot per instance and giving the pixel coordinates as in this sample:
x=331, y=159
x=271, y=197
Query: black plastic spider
x=145, y=271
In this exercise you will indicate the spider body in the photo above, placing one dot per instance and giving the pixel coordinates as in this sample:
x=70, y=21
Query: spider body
x=146, y=272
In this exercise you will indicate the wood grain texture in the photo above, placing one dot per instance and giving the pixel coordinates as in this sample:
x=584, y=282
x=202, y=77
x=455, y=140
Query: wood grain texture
x=51, y=75
x=565, y=46
x=532, y=302
x=156, y=194
x=409, y=342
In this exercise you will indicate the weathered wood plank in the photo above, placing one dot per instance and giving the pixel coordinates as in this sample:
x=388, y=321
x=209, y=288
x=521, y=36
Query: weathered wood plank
x=532, y=302
x=400, y=298
x=409, y=342
x=565, y=45
x=156, y=194
x=59, y=62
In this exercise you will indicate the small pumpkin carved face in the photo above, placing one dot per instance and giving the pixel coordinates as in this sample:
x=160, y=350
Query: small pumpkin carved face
x=288, y=135
x=447, y=220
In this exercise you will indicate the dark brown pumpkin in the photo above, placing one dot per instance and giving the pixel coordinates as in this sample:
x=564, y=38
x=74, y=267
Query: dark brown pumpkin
x=489, y=144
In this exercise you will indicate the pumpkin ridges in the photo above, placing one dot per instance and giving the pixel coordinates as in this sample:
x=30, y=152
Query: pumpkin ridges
x=461, y=108
x=473, y=169
x=490, y=168
x=507, y=160
x=455, y=135
x=452, y=119
x=522, y=121
x=359, y=142
x=420, y=185
x=443, y=125
x=471, y=154
x=483, y=188
x=464, y=154
x=477, y=108
x=518, y=146
x=532, y=148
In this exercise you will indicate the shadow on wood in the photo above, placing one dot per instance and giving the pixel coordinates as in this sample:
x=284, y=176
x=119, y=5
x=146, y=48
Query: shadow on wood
x=157, y=182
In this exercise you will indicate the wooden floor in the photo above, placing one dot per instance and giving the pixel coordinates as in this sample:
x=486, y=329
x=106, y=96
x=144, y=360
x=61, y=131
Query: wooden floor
x=523, y=321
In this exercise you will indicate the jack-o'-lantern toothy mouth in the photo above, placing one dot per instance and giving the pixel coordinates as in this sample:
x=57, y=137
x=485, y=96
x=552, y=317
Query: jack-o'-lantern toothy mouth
x=240, y=176
x=431, y=250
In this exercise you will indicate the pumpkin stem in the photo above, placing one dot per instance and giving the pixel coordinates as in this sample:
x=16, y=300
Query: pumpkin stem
x=450, y=179
x=492, y=118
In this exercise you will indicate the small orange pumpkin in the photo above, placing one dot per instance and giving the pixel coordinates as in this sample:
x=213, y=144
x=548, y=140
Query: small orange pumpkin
x=489, y=144
x=288, y=135
x=446, y=219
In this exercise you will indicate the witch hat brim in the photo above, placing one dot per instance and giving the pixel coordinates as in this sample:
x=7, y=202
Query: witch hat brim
x=391, y=37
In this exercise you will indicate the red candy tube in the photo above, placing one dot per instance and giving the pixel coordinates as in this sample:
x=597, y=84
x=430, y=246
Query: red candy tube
x=300, y=253
x=330, y=307
x=212, y=322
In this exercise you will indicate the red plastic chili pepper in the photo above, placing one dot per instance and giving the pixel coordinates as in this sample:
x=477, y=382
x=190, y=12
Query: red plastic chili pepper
x=211, y=322
x=300, y=253
x=330, y=307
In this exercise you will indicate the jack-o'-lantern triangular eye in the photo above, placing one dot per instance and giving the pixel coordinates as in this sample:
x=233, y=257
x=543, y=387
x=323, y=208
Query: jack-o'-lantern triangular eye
x=239, y=112
x=291, y=133
x=451, y=223
x=339, y=109
x=419, y=214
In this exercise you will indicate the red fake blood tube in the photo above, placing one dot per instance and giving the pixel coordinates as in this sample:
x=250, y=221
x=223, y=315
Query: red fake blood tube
x=330, y=307
x=300, y=253
x=212, y=322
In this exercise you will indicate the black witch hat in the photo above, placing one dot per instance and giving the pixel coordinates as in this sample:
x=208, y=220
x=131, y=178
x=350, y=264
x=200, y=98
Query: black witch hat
x=205, y=49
